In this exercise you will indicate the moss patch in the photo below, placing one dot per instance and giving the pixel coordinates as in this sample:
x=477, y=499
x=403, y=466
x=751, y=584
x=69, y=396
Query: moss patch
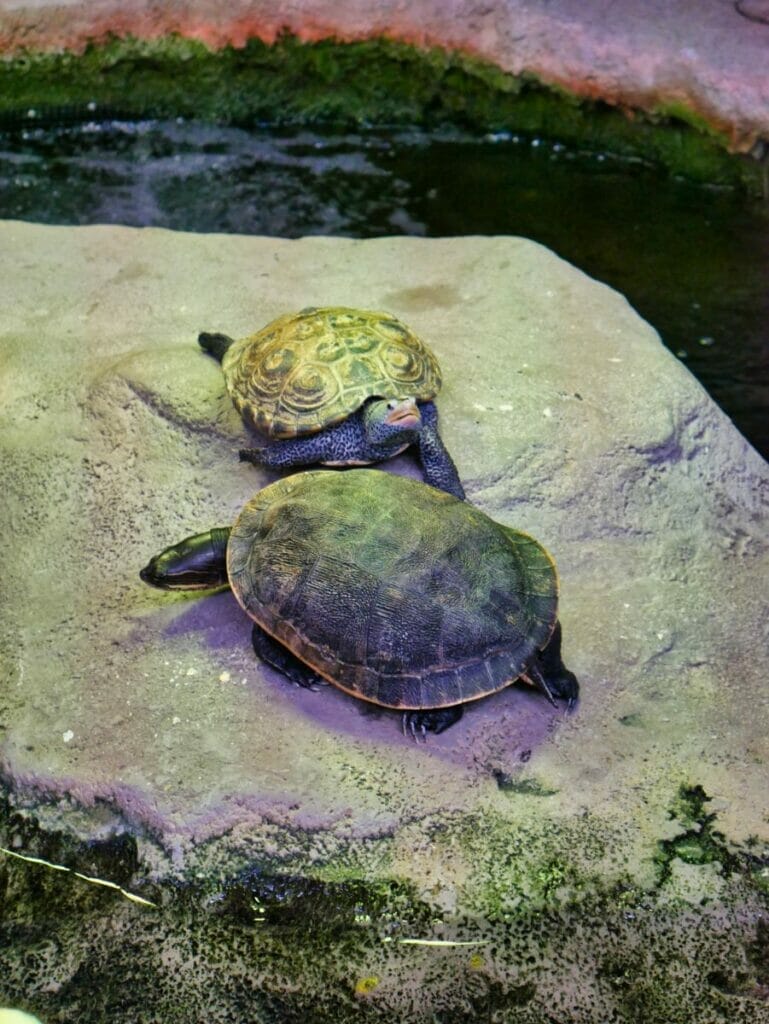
x=526, y=787
x=701, y=842
x=373, y=82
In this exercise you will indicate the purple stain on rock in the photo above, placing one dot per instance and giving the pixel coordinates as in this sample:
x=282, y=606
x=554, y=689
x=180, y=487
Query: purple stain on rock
x=754, y=10
x=513, y=716
x=218, y=617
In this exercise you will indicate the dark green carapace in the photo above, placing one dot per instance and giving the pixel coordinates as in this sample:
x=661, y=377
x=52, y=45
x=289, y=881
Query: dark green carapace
x=396, y=592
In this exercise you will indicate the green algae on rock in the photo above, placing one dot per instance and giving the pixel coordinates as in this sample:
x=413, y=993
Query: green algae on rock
x=272, y=941
x=351, y=84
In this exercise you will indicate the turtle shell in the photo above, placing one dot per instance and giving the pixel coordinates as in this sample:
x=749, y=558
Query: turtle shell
x=396, y=592
x=306, y=371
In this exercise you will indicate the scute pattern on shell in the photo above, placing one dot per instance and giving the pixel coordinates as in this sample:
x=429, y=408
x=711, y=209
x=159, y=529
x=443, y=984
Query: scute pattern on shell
x=392, y=590
x=306, y=371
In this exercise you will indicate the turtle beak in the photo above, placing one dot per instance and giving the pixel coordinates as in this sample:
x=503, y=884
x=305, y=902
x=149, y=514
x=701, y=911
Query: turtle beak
x=404, y=414
x=153, y=574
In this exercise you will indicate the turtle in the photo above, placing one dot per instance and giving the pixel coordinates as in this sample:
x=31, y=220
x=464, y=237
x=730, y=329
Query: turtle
x=392, y=590
x=339, y=387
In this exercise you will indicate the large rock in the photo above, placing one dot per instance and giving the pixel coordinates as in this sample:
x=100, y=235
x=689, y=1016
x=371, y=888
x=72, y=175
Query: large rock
x=612, y=861
x=705, y=58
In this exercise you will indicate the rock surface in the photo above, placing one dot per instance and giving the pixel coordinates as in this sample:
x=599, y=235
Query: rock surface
x=132, y=713
x=707, y=56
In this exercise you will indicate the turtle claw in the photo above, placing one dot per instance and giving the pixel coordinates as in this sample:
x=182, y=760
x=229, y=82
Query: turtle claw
x=413, y=727
x=537, y=679
x=307, y=680
x=318, y=685
x=563, y=686
x=568, y=688
x=436, y=720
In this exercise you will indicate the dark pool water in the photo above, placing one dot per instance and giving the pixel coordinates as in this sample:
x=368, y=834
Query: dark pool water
x=693, y=261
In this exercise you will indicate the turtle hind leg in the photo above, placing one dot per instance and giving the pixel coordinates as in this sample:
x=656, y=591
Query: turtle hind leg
x=215, y=344
x=419, y=723
x=268, y=649
x=550, y=675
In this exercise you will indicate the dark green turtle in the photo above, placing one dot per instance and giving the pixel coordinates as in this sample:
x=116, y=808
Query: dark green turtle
x=394, y=591
x=336, y=386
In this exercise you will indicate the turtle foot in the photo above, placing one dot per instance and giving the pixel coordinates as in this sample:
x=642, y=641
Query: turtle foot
x=562, y=685
x=419, y=723
x=214, y=343
x=553, y=676
x=276, y=655
x=253, y=455
x=566, y=687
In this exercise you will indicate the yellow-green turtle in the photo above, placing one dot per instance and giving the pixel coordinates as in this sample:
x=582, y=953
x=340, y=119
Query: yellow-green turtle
x=396, y=592
x=336, y=386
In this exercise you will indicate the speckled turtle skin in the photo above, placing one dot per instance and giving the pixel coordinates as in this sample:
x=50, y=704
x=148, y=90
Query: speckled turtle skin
x=306, y=371
x=396, y=592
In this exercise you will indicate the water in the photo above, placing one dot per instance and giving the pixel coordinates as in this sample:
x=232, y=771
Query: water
x=693, y=261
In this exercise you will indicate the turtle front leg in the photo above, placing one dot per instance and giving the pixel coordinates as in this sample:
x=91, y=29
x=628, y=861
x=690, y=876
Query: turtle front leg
x=342, y=444
x=438, y=465
x=274, y=653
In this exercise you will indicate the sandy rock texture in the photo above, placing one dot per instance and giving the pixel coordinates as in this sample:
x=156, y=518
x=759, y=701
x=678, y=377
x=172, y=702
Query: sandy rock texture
x=706, y=56
x=142, y=715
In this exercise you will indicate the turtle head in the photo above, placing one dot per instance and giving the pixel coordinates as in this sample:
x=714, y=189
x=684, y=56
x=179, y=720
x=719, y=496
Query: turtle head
x=391, y=420
x=195, y=563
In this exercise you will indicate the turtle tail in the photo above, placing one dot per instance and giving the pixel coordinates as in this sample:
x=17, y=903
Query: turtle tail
x=215, y=344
